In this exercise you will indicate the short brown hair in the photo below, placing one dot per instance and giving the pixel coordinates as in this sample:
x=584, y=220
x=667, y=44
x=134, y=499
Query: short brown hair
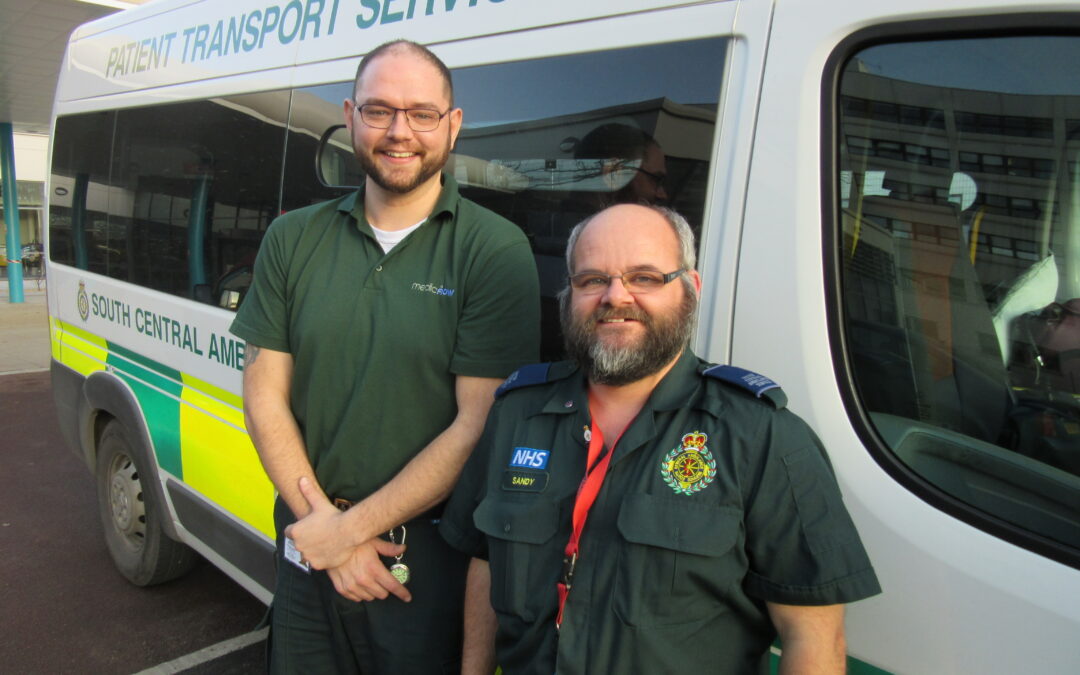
x=406, y=46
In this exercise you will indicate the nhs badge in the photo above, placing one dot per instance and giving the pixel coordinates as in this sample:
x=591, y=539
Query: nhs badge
x=530, y=458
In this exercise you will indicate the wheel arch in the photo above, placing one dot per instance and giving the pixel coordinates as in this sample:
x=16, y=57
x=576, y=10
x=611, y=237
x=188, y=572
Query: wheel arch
x=108, y=397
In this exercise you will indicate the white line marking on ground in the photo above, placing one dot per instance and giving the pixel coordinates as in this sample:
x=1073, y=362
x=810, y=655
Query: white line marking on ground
x=20, y=372
x=208, y=654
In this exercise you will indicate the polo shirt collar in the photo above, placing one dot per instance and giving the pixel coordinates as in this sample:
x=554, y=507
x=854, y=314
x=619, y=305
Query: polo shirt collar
x=353, y=204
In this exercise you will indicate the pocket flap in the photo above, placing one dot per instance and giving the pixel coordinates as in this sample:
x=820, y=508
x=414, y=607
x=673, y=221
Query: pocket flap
x=679, y=524
x=531, y=521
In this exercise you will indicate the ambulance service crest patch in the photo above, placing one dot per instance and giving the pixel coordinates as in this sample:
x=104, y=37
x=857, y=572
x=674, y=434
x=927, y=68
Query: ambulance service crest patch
x=689, y=468
x=83, y=301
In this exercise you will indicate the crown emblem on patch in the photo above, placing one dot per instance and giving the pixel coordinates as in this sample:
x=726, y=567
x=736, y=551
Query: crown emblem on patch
x=694, y=439
x=689, y=468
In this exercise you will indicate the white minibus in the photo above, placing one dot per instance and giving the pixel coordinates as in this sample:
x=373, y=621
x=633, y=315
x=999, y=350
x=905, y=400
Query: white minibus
x=887, y=197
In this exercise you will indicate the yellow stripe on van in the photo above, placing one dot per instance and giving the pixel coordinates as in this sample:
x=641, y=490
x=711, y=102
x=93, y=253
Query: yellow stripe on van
x=219, y=460
x=223, y=395
x=79, y=349
x=56, y=332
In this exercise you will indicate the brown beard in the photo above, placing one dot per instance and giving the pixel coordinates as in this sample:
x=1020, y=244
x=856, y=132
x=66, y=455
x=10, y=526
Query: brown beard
x=429, y=166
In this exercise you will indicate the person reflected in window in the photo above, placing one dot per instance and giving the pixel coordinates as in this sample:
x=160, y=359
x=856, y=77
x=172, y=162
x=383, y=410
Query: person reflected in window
x=632, y=164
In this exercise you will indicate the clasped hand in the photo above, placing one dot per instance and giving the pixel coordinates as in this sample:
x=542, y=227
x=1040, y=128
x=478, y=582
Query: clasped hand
x=356, y=570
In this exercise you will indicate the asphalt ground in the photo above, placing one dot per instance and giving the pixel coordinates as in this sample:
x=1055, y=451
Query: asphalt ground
x=63, y=606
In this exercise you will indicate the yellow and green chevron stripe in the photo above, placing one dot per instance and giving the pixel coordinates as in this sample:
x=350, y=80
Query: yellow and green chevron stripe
x=197, y=429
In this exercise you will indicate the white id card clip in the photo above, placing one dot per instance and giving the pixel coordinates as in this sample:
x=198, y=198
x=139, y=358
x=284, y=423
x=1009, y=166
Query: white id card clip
x=293, y=556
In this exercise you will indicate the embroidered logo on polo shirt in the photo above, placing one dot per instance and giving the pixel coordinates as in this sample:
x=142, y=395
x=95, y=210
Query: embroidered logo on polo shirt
x=433, y=289
x=689, y=468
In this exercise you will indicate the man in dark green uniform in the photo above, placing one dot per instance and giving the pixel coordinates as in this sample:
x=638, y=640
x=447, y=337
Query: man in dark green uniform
x=378, y=327
x=637, y=510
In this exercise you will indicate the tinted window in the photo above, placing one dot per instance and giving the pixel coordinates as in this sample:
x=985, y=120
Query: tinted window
x=78, y=224
x=547, y=142
x=960, y=256
x=179, y=201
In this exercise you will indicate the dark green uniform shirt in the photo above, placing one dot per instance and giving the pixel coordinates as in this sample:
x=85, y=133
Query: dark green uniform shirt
x=377, y=339
x=714, y=503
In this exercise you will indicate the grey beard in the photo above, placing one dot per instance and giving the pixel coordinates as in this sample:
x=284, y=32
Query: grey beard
x=616, y=366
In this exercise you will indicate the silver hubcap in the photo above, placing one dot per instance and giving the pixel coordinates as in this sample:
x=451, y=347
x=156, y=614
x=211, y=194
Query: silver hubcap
x=125, y=496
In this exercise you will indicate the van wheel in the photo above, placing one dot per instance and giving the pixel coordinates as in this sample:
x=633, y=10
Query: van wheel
x=137, y=542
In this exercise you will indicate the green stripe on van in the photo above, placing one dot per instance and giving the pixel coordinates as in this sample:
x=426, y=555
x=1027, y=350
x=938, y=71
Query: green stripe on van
x=158, y=389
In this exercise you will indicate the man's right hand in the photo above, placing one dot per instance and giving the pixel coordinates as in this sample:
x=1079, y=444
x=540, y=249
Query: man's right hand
x=364, y=577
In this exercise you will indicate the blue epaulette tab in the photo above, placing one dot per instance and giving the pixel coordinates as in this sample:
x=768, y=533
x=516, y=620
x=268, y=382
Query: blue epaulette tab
x=747, y=380
x=525, y=376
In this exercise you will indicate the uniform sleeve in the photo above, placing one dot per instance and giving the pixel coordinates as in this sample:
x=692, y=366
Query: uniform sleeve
x=499, y=328
x=802, y=546
x=457, y=526
x=262, y=318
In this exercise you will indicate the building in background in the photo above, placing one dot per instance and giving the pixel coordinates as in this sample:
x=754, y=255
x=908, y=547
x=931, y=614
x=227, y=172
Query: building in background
x=31, y=158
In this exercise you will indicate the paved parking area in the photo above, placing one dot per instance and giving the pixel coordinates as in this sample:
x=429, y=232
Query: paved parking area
x=63, y=606
x=24, y=330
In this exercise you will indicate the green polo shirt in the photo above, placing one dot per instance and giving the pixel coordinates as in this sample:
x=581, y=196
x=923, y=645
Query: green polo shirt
x=378, y=338
x=714, y=503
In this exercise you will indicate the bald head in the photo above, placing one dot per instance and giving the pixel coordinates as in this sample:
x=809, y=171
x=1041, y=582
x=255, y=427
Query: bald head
x=682, y=237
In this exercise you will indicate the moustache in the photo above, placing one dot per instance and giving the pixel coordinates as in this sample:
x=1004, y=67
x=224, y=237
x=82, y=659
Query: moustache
x=603, y=314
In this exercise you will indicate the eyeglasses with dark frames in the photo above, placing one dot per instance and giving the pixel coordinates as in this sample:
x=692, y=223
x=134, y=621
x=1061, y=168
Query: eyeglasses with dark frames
x=637, y=282
x=380, y=116
x=659, y=178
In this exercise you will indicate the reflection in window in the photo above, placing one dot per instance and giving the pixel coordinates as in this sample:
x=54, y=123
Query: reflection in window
x=174, y=197
x=961, y=275
x=547, y=142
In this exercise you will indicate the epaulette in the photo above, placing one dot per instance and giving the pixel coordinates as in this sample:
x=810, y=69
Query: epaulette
x=749, y=381
x=525, y=376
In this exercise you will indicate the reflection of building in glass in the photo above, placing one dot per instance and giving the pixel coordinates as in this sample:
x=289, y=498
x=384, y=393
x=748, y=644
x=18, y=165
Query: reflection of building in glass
x=912, y=140
x=961, y=221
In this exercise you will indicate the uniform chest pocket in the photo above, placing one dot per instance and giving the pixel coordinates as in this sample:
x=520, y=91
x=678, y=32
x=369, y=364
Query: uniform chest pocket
x=525, y=558
x=680, y=558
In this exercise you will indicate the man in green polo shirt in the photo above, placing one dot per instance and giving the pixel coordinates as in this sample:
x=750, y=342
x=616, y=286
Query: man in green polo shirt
x=637, y=510
x=378, y=327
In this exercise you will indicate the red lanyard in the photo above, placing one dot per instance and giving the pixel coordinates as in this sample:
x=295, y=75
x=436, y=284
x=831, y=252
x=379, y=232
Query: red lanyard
x=586, y=496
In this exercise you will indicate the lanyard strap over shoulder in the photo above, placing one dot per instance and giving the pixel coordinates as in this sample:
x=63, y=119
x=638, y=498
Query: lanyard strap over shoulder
x=595, y=470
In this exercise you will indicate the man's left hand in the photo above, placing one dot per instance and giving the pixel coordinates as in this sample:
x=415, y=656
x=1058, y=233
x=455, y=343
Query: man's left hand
x=320, y=536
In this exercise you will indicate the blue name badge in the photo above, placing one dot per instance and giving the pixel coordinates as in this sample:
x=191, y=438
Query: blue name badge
x=530, y=458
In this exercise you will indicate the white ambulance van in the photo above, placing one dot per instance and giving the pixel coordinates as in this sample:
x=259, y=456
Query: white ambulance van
x=888, y=201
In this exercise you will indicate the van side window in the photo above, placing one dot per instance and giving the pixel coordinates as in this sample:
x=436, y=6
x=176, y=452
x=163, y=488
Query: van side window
x=173, y=197
x=78, y=203
x=547, y=142
x=960, y=256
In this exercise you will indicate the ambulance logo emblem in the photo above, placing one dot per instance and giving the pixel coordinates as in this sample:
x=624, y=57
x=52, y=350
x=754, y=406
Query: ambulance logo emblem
x=689, y=468
x=83, y=302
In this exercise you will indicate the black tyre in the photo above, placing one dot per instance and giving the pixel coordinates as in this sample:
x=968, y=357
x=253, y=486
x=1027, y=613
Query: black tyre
x=132, y=518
